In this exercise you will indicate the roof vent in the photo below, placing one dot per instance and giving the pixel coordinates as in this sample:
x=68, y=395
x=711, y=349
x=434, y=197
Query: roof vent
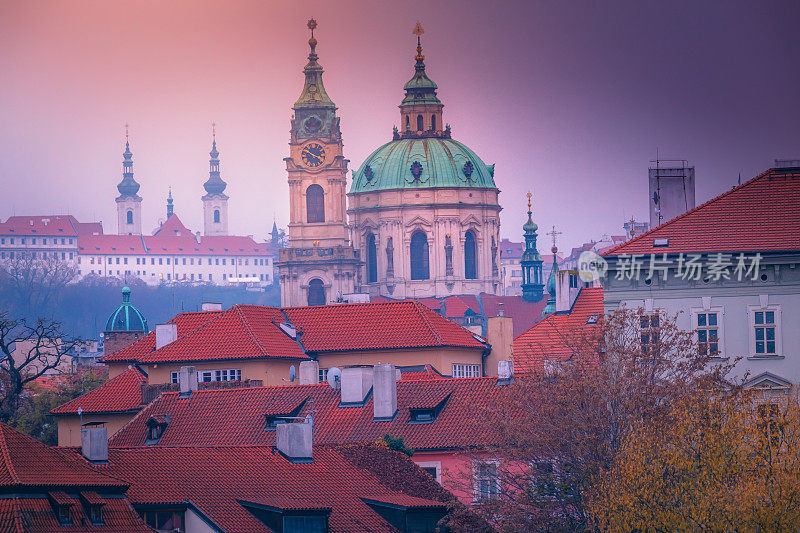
x=289, y=329
x=660, y=243
x=94, y=442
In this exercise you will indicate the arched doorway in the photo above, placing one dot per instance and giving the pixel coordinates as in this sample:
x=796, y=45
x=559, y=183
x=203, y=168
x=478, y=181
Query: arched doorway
x=470, y=256
x=315, y=203
x=419, y=256
x=372, y=259
x=316, y=292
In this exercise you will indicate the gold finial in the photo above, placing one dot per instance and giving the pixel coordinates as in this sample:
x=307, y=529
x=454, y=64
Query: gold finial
x=632, y=227
x=312, y=24
x=126, y=133
x=214, y=131
x=312, y=42
x=418, y=31
x=529, y=202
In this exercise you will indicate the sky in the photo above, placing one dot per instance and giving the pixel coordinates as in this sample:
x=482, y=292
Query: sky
x=570, y=99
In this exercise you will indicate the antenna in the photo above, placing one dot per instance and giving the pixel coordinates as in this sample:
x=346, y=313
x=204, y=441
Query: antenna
x=292, y=373
x=335, y=377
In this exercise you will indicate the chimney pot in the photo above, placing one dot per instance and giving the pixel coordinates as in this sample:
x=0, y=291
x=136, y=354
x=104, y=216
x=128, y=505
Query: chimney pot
x=309, y=372
x=165, y=334
x=384, y=392
x=296, y=441
x=356, y=383
x=562, y=290
x=505, y=369
x=94, y=443
x=188, y=380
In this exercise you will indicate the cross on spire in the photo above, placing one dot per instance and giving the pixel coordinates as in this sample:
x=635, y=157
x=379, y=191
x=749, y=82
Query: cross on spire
x=632, y=226
x=312, y=24
x=126, y=132
x=418, y=31
x=214, y=131
x=553, y=233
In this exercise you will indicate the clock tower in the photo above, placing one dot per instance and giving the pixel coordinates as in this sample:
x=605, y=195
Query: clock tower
x=320, y=265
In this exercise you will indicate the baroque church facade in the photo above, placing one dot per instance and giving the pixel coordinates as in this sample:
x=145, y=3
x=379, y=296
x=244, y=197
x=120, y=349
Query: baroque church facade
x=421, y=217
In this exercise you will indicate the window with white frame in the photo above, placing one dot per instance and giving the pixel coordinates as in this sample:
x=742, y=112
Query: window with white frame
x=461, y=370
x=707, y=325
x=323, y=375
x=228, y=374
x=175, y=377
x=487, y=480
x=765, y=331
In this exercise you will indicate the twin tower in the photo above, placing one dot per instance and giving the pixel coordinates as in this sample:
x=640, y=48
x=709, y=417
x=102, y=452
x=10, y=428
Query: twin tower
x=129, y=203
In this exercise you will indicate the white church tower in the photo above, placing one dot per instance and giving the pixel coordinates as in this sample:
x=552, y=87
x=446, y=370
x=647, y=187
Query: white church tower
x=129, y=203
x=215, y=201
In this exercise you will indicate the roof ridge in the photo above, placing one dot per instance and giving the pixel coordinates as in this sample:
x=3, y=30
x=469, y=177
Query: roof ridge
x=7, y=453
x=118, y=376
x=427, y=322
x=249, y=330
x=171, y=321
x=687, y=213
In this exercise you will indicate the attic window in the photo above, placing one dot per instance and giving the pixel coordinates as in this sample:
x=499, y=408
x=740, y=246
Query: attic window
x=282, y=414
x=93, y=504
x=156, y=425
x=592, y=319
x=660, y=243
x=425, y=412
x=62, y=505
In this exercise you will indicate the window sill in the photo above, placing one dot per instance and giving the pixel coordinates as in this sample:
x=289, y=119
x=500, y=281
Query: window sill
x=765, y=357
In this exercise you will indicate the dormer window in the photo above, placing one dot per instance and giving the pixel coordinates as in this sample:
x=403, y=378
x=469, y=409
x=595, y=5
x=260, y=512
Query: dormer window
x=282, y=414
x=62, y=507
x=425, y=412
x=156, y=425
x=93, y=505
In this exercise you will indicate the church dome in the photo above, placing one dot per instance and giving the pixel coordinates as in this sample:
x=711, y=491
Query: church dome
x=126, y=317
x=422, y=163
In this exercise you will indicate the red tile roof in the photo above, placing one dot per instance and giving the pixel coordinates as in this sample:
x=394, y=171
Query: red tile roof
x=550, y=338
x=376, y=326
x=26, y=462
x=762, y=214
x=44, y=225
x=457, y=306
x=237, y=417
x=34, y=515
x=524, y=314
x=220, y=481
x=111, y=244
x=418, y=373
x=186, y=322
x=122, y=394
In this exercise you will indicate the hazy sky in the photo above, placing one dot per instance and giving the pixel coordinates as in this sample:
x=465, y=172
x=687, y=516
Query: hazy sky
x=569, y=99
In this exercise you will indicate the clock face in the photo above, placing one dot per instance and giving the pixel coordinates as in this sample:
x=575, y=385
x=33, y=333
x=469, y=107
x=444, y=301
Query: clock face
x=313, y=155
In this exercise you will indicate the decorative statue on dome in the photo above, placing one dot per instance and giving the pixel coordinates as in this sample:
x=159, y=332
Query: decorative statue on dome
x=448, y=254
x=389, y=258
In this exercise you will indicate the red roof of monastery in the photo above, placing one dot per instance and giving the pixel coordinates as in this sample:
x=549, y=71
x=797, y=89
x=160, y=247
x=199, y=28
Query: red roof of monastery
x=237, y=417
x=48, y=226
x=550, y=338
x=762, y=214
x=121, y=394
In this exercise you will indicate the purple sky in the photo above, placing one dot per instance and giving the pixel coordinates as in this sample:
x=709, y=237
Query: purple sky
x=569, y=99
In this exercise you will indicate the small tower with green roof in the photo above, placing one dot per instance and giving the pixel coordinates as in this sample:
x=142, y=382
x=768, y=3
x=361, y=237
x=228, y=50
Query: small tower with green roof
x=532, y=282
x=125, y=325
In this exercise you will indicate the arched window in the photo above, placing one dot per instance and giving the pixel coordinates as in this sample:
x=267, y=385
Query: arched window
x=419, y=256
x=315, y=203
x=129, y=217
x=408, y=122
x=316, y=292
x=433, y=122
x=470, y=256
x=216, y=216
x=372, y=259
x=420, y=125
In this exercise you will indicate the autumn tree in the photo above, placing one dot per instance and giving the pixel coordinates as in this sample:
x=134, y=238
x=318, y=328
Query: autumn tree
x=713, y=463
x=558, y=428
x=27, y=352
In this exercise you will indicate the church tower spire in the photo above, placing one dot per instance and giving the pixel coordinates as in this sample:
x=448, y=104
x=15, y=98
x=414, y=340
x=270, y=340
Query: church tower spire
x=215, y=201
x=421, y=109
x=319, y=265
x=532, y=283
x=170, y=206
x=129, y=203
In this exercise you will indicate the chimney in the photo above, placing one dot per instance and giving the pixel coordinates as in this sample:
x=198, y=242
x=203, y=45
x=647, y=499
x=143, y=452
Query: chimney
x=165, y=334
x=356, y=384
x=211, y=306
x=505, y=371
x=500, y=336
x=94, y=442
x=309, y=372
x=563, y=300
x=296, y=441
x=188, y=380
x=384, y=392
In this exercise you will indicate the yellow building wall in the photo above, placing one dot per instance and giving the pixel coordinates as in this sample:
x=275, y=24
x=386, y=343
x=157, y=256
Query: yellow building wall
x=441, y=358
x=69, y=426
x=272, y=372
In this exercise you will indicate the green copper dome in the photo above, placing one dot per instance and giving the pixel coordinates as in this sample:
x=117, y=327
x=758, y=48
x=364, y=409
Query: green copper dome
x=420, y=164
x=126, y=317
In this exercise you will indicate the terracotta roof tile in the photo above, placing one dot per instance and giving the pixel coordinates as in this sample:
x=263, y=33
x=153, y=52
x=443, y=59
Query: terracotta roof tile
x=762, y=214
x=549, y=338
x=121, y=394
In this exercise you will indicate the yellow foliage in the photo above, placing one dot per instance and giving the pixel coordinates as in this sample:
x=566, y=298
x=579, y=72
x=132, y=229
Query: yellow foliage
x=714, y=464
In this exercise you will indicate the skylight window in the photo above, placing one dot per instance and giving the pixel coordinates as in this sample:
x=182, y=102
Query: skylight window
x=660, y=243
x=592, y=319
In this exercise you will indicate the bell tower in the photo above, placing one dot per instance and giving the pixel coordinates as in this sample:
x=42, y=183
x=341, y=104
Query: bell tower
x=129, y=203
x=320, y=265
